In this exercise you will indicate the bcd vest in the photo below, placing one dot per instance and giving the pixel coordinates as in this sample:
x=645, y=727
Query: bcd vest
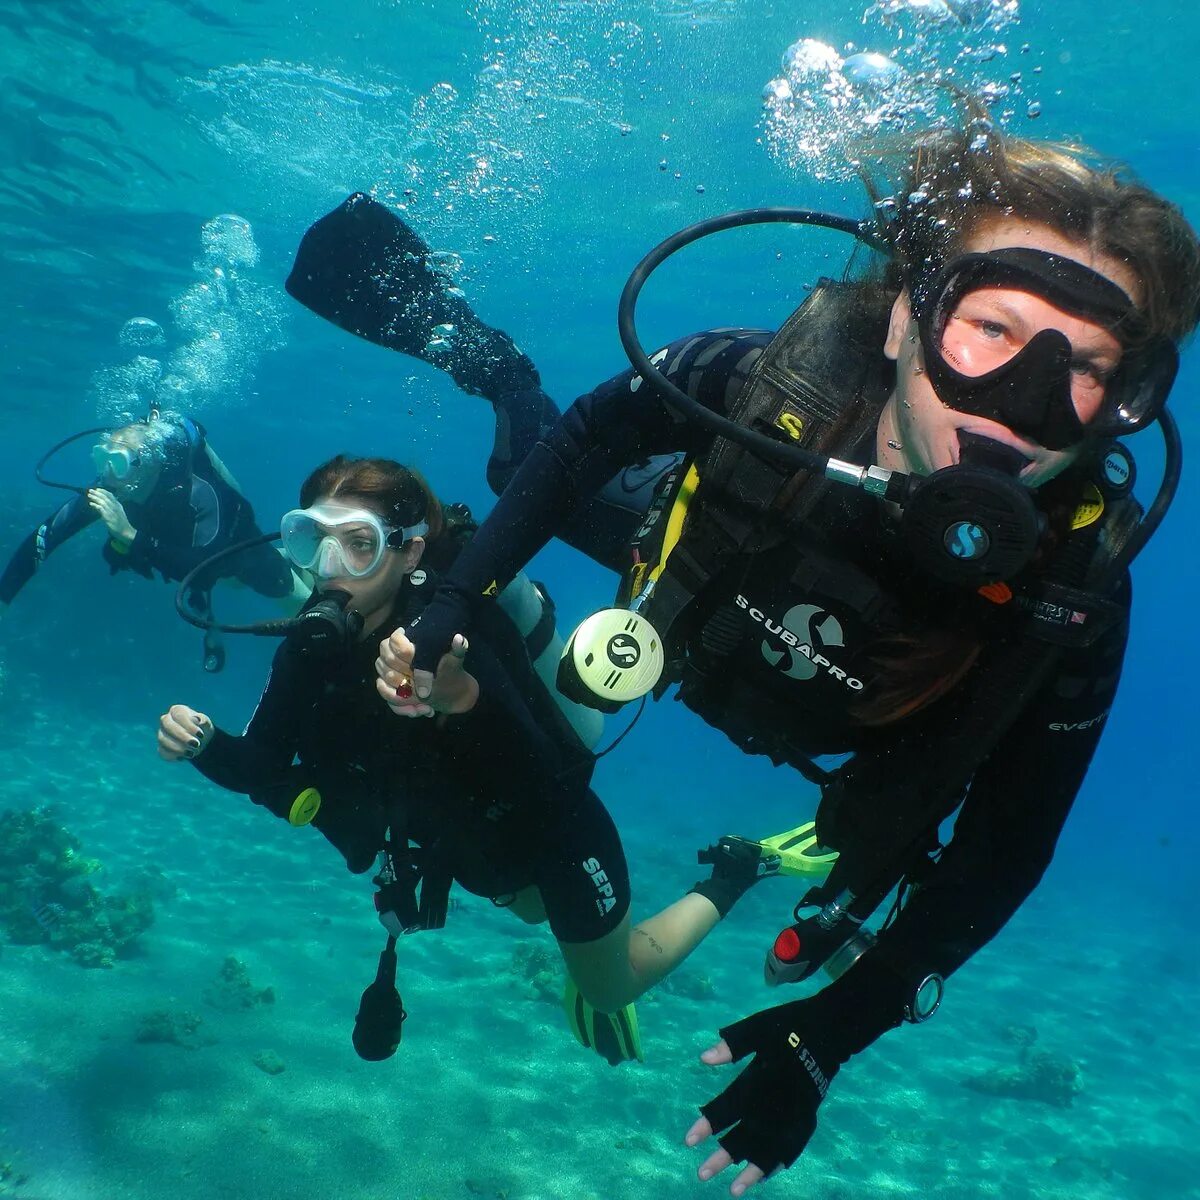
x=822, y=383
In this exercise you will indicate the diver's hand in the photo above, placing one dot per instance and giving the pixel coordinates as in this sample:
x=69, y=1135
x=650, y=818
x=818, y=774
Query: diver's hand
x=431, y=633
x=112, y=513
x=183, y=733
x=452, y=689
x=770, y=1109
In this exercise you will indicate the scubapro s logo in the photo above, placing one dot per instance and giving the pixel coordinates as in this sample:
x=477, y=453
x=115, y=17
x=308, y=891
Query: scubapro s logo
x=801, y=633
x=623, y=651
x=965, y=539
x=799, y=620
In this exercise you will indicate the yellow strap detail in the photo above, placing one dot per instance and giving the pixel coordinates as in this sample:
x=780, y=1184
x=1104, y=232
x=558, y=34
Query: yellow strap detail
x=791, y=423
x=687, y=489
x=1090, y=508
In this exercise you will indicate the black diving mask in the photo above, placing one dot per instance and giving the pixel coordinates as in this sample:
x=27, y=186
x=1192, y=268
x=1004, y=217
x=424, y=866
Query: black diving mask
x=1031, y=392
x=325, y=627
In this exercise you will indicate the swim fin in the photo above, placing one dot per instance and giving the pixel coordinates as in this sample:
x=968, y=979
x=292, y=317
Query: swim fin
x=796, y=852
x=365, y=270
x=613, y=1036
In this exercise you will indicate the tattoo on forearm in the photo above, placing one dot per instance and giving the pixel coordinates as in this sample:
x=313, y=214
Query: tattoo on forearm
x=655, y=945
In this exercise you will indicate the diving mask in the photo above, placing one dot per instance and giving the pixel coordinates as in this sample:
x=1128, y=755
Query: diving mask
x=336, y=541
x=1030, y=388
x=116, y=462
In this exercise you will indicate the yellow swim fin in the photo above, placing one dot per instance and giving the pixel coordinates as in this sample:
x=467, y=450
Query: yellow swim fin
x=796, y=852
x=613, y=1036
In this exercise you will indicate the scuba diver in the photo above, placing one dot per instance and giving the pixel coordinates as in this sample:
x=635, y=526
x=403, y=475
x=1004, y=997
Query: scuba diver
x=945, y=602
x=167, y=503
x=494, y=794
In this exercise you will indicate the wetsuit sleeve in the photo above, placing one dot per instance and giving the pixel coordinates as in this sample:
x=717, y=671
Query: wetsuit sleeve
x=257, y=758
x=1015, y=809
x=75, y=515
x=621, y=422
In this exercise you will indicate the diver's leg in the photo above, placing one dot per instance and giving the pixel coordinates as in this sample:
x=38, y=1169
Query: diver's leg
x=584, y=881
x=362, y=268
x=616, y=969
x=527, y=906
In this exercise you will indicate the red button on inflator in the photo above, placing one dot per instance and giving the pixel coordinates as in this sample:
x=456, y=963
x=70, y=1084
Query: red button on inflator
x=787, y=945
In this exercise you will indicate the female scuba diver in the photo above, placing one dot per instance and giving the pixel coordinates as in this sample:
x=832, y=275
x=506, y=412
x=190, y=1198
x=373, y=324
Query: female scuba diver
x=168, y=503
x=951, y=615
x=494, y=794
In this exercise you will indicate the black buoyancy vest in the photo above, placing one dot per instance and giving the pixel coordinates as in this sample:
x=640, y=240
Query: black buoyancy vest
x=823, y=382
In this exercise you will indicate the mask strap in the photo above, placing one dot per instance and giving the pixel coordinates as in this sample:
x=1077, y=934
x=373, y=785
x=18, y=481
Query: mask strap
x=406, y=533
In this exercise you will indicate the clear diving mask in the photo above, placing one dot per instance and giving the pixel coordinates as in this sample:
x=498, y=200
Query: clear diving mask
x=116, y=462
x=337, y=541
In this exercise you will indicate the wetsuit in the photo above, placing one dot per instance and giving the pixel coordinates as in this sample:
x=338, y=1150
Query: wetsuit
x=799, y=629
x=498, y=797
x=191, y=514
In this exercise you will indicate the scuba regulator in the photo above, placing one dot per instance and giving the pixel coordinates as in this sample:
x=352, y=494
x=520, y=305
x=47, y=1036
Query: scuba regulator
x=325, y=627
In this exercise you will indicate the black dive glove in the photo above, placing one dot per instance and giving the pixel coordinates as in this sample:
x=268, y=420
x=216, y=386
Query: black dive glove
x=737, y=865
x=770, y=1109
x=448, y=613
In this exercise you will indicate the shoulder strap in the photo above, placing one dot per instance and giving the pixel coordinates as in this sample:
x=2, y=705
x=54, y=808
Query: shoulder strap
x=820, y=383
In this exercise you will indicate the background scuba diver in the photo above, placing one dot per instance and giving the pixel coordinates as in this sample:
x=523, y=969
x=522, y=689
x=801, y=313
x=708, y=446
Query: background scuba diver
x=495, y=795
x=168, y=503
x=821, y=634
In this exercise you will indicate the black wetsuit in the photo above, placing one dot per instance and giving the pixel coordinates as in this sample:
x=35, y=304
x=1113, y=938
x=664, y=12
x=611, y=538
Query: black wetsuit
x=500, y=795
x=798, y=661
x=191, y=514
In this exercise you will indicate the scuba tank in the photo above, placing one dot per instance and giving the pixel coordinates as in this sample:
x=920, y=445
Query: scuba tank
x=529, y=606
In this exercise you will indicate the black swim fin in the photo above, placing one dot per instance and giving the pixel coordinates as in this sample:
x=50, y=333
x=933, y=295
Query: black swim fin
x=363, y=269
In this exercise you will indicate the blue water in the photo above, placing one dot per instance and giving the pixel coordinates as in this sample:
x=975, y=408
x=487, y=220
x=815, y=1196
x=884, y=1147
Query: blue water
x=548, y=145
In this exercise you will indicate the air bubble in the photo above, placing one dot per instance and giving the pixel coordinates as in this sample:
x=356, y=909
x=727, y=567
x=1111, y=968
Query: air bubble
x=871, y=70
x=141, y=332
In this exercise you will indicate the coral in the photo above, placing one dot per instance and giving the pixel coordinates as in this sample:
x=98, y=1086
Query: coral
x=689, y=985
x=269, y=1062
x=1021, y=1036
x=1081, y=1167
x=47, y=896
x=172, y=1028
x=1040, y=1075
x=486, y=1188
x=232, y=991
x=540, y=968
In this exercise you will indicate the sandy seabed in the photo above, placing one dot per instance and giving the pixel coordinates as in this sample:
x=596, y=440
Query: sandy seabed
x=489, y=1096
